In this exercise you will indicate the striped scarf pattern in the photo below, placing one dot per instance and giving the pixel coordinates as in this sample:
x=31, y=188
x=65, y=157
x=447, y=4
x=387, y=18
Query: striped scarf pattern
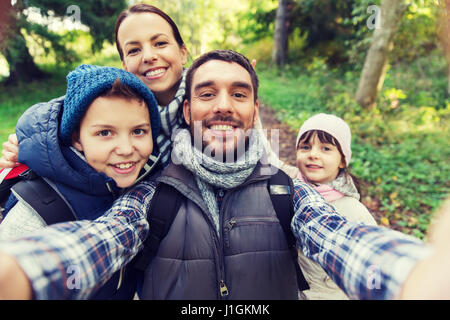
x=172, y=119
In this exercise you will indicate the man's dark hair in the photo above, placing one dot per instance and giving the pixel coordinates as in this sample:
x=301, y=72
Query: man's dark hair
x=222, y=55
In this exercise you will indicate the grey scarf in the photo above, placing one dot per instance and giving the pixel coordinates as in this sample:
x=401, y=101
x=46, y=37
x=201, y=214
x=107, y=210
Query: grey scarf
x=210, y=173
x=344, y=183
x=172, y=119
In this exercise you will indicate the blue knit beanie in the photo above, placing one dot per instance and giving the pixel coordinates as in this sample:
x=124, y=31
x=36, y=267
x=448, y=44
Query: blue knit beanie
x=86, y=83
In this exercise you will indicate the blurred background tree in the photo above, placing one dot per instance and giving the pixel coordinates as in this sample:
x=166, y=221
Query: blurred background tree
x=98, y=16
x=388, y=17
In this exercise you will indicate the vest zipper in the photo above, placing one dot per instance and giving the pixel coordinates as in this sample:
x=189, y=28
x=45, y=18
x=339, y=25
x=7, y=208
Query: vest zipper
x=226, y=232
x=224, y=292
x=223, y=288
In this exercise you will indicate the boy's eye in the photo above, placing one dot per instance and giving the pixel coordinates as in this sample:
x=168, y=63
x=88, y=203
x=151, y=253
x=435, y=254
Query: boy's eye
x=104, y=133
x=139, y=132
x=133, y=51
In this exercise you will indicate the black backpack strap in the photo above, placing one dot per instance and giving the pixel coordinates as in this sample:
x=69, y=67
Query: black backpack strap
x=5, y=189
x=163, y=209
x=281, y=190
x=45, y=200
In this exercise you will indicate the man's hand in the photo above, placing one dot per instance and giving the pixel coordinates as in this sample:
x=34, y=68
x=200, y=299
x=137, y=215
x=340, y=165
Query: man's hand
x=10, y=152
x=14, y=284
x=430, y=279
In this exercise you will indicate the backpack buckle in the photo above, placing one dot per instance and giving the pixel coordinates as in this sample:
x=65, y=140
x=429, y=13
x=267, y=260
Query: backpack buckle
x=28, y=175
x=278, y=189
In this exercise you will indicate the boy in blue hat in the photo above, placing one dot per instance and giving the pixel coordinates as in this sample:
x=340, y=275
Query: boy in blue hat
x=102, y=141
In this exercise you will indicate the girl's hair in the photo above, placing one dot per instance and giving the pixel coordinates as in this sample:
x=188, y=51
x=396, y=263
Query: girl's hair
x=325, y=137
x=146, y=8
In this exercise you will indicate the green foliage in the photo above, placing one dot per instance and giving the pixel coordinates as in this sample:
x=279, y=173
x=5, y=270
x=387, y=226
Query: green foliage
x=258, y=22
x=15, y=100
x=100, y=16
x=415, y=38
x=40, y=24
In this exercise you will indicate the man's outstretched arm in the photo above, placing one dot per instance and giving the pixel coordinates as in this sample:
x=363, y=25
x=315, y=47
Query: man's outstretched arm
x=367, y=262
x=430, y=279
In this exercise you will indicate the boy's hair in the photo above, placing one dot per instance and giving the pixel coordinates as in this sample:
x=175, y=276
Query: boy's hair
x=222, y=55
x=146, y=8
x=121, y=90
x=88, y=82
x=325, y=137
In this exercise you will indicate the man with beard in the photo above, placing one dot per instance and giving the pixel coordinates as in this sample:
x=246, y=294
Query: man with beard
x=225, y=241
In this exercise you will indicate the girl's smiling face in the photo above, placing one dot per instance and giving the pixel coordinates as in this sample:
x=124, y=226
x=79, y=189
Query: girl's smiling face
x=318, y=161
x=151, y=52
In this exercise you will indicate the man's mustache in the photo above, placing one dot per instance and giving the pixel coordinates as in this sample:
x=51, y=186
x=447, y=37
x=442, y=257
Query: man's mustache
x=220, y=118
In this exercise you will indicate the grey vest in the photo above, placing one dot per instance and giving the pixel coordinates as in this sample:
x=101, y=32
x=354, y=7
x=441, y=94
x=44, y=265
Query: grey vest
x=250, y=258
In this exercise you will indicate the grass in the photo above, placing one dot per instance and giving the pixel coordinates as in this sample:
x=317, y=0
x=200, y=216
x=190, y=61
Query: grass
x=400, y=148
x=15, y=100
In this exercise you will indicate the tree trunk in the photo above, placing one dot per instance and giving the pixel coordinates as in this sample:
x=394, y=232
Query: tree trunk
x=280, y=45
x=444, y=33
x=14, y=48
x=374, y=70
x=6, y=18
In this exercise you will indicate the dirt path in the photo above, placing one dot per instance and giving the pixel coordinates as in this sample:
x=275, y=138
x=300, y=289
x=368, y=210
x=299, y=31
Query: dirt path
x=287, y=135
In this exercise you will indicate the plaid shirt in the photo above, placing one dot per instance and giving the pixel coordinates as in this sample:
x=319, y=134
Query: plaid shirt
x=70, y=260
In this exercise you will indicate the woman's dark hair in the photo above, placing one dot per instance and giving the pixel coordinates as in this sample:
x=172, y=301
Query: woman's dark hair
x=325, y=137
x=146, y=8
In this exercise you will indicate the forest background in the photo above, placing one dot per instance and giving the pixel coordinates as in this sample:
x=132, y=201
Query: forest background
x=382, y=65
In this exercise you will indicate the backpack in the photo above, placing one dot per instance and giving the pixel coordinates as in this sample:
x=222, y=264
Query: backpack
x=167, y=200
x=38, y=193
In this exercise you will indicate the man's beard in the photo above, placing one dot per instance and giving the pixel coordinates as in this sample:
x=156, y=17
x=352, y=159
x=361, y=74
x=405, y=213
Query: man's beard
x=233, y=146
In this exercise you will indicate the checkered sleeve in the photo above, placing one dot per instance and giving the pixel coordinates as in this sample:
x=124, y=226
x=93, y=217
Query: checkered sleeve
x=367, y=262
x=70, y=260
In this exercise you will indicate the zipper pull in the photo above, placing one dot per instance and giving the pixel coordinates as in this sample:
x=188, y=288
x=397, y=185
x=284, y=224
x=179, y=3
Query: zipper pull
x=223, y=289
x=230, y=224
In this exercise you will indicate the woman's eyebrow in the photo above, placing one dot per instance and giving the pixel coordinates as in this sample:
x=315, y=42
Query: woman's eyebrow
x=135, y=42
